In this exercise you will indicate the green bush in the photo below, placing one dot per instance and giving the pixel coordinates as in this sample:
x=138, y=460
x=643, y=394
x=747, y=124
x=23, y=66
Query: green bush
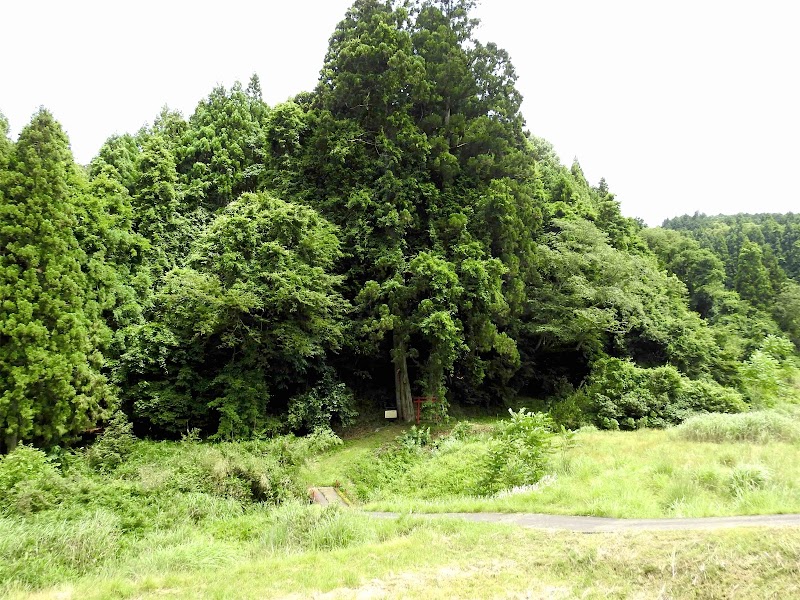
x=29, y=482
x=754, y=427
x=416, y=437
x=519, y=452
x=116, y=442
x=768, y=376
x=709, y=396
x=571, y=411
x=621, y=395
x=321, y=407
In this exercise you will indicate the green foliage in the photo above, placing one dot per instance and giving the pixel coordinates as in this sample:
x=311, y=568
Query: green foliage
x=752, y=279
x=471, y=460
x=220, y=155
x=255, y=311
x=621, y=395
x=29, y=482
x=164, y=503
x=767, y=377
x=708, y=395
x=252, y=270
x=51, y=328
x=595, y=299
x=413, y=121
x=113, y=446
x=519, y=452
x=415, y=437
x=321, y=406
x=761, y=255
x=786, y=311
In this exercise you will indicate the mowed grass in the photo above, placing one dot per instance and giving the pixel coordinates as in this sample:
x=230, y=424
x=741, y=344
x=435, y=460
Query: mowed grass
x=641, y=474
x=449, y=559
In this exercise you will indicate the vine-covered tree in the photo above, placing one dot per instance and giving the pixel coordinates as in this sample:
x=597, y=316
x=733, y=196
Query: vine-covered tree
x=244, y=326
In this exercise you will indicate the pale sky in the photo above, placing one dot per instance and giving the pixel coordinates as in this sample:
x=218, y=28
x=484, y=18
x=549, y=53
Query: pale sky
x=682, y=106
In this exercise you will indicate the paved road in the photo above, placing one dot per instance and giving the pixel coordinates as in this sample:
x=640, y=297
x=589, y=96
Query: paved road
x=605, y=525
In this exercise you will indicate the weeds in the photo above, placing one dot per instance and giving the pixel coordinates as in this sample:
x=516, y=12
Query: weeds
x=472, y=460
x=755, y=427
x=125, y=498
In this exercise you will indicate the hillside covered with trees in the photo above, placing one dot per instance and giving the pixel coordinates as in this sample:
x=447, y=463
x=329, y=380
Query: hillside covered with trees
x=396, y=232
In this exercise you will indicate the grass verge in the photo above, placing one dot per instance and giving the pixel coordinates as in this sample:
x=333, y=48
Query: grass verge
x=640, y=474
x=448, y=559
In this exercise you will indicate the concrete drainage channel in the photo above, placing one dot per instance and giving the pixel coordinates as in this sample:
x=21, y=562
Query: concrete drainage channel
x=325, y=496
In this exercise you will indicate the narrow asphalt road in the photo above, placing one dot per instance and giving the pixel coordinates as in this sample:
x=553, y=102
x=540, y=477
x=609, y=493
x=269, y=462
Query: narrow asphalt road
x=607, y=525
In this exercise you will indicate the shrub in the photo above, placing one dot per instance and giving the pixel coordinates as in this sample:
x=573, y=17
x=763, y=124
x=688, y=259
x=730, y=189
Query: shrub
x=321, y=407
x=29, y=482
x=708, y=395
x=519, y=452
x=571, y=411
x=116, y=442
x=762, y=379
x=621, y=395
x=768, y=375
x=321, y=439
x=416, y=437
x=243, y=473
x=755, y=427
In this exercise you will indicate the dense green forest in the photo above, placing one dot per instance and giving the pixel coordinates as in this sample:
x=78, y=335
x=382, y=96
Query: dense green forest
x=253, y=270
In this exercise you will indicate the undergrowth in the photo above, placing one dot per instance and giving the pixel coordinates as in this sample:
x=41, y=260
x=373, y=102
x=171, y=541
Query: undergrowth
x=471, y=459
x=67, y=515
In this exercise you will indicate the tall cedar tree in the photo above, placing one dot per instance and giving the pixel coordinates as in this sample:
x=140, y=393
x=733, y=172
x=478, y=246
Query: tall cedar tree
x=415, y=120
x=51, y=387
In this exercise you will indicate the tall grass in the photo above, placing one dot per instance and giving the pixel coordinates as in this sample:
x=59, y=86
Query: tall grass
x=47, y=550
x=649, y=473
x=756, y=427
x=158, y=506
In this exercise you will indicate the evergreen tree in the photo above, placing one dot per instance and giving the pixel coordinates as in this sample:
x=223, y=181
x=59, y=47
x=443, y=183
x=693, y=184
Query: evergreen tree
x=413, y=121
x=51, y=329
x=752, y=278
x=221, y=152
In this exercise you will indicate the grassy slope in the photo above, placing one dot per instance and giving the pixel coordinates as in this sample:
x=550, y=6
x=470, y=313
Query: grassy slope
x=167, y=524
x=647, y=473
x=460, y=560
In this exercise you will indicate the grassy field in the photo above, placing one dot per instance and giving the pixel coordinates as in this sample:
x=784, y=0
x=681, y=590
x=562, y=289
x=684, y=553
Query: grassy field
x=447, y=559
x=641, y=474
x=230, y=520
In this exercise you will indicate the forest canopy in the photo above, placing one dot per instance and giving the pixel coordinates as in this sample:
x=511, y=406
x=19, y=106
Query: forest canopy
x=396, y=232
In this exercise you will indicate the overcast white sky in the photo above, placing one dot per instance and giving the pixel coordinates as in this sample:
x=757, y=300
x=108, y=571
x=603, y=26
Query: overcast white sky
x=682, y=106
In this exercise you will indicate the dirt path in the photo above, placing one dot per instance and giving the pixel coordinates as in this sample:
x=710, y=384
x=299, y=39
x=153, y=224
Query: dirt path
x=606, y=525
